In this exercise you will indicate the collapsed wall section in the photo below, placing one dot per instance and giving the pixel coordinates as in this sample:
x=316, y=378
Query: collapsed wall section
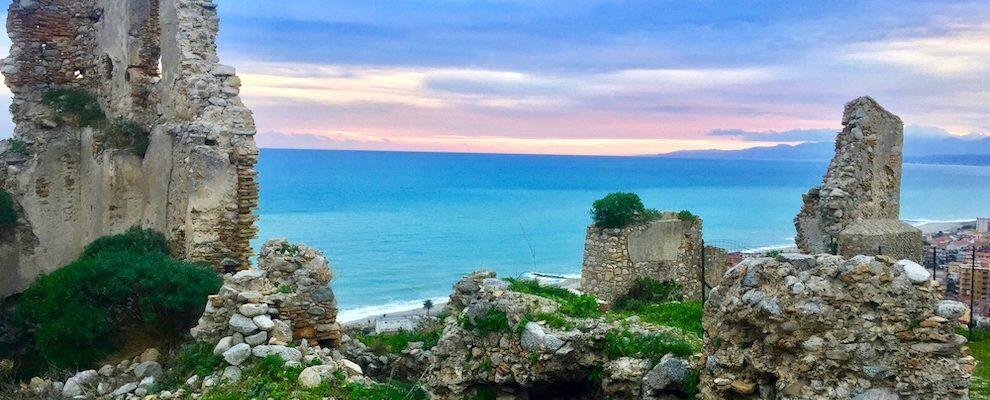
x=825, y=327
x=147, y=69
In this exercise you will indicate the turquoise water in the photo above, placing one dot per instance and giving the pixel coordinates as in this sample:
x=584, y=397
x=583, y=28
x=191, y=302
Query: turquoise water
x=402, y=227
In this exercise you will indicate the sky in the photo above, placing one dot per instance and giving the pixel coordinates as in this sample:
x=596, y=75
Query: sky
x=599, y=77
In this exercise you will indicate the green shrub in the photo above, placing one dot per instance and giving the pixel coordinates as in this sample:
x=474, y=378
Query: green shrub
x=772, y=254
x=690, y=384
x=79, y=311
x=686, y=215
x=647, y=291
x=493, y=321
x=571, y=304
x=17, y=147
x=485, y=393
x=653, y=346
x=74, y=106
x=394, y=343
x=124, y=134
x=617, y=210
x=8, y=215
x=135, y=240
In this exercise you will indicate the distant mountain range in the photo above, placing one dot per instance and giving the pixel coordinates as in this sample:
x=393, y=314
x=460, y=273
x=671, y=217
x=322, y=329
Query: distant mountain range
x=967, y=150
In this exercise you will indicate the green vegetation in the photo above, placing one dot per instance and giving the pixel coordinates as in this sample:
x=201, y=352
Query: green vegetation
x=686, y=215
x=647, y=291
x=550, y=319
x=135, y=240
x=571, y=304
x=690, y=385
x=394, y=343
x=286, y=289
x=74, y=106
x=653, y=346
x=686, y=315
x=979, y=347
x=772, y=254
x=194, y=358
x=8, y=215
x=485, y=393
x=17, y=147
x=616, y=210
x=659, y=303
x=120, y=283
x=124, y=134
x=81, y=109
x=493, y=321
x=272, y=379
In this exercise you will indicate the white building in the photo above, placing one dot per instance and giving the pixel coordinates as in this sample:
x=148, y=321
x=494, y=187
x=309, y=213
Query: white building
x=396, y=324
x=983, y=225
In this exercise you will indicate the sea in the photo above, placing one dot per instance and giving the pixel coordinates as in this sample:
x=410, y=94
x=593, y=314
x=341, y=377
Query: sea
x=399, y=228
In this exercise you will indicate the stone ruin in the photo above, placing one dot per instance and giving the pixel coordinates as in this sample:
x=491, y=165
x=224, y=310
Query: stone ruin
x=152, y=63
x=826, y=327
x=882, y=237
x=665, y=249
x=256, y=314
x=291, y=284
x=863, y=182
x=534, y=360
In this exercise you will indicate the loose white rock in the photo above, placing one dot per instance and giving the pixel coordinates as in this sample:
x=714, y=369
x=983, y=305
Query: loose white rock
x=915, y=272
x=264, y=322
x=243, y=324
x=237, y=354
x=312, y=377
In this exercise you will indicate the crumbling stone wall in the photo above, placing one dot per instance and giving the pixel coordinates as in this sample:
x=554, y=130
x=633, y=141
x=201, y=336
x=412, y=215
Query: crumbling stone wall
x=291, y=284
x=887, y=237
x=152, y=62
x=665, y=249
x=530, y=359
x=826, y=327
x=863, y=180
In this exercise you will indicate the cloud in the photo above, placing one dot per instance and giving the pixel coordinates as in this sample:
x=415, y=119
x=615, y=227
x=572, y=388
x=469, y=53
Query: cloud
x=341, y=140
x=790, y=136
x=458, y=87
x=826, y=135
x=963, y=50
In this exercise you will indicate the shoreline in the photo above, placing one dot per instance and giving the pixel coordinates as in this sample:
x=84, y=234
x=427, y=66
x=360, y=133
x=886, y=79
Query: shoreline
x=368, y=315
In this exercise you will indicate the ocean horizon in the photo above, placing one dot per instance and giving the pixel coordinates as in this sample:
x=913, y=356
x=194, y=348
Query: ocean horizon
x=402, y=227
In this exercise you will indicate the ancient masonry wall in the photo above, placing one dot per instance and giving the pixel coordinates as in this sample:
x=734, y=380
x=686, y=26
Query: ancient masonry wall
x=888, y=237
x=667, y=249
x=291, y=284
x=826, y=327
x=153, y=62
x=863, y=180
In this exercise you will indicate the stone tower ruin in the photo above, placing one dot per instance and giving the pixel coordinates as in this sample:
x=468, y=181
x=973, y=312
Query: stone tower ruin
x=863, y=180
x=151, y=68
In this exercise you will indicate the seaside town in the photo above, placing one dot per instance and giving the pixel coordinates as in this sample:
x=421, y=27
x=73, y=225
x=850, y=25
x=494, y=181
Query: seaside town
x=128, y=205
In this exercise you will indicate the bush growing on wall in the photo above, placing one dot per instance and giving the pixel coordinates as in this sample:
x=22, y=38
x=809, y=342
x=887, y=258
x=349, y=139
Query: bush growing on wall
x=8, y=216
x=75, y=106
x=123, y=134
x=617, y=210
x=120, y=283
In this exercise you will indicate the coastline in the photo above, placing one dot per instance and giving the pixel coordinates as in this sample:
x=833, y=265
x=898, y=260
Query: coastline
x=368, y=315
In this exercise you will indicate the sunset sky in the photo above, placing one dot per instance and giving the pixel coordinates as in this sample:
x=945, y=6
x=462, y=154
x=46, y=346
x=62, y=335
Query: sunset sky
x=598, y=77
